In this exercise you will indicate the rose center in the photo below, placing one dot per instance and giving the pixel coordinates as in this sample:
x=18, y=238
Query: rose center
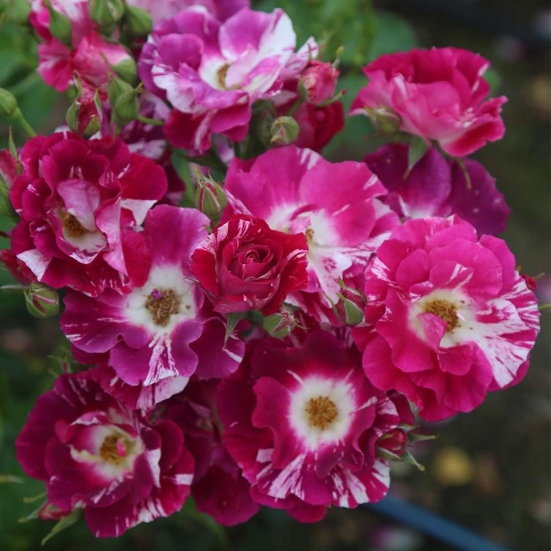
x=309, y=235
x=161, y=305
x=221, y=75
x=221, y=78
x=446, y=311
x=72, y=226
x=252, y=256
x=114, y=449
x=321, y=412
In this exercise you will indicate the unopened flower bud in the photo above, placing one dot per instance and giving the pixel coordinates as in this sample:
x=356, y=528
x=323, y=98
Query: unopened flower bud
x=8, y=104
x=126, y=108
x=281, y=324
x=42, y=301
x=385, y=120
x=117, y=88
x=8, y=173
x=60, y=25
x=210, y=198
x=49, y=511
x=138, y=20
x=395, y=442
x=106, y=12
x=531, y=282
x=351, y=305
x=126, y=70
x=352, y=313
x=84, y=116
x=284, y=131
x=318, y=82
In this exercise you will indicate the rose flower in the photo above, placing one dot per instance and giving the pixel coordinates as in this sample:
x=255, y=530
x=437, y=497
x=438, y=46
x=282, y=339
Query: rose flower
x=245, y=265
x=95, y=453
x=437, y=94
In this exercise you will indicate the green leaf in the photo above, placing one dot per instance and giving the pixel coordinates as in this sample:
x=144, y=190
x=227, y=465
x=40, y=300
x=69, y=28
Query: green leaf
x=494, y=80
x=64, y=523
x=182, y=167
x=408, y=458
x=393, y=34
x=417, y=150
x=421, y=437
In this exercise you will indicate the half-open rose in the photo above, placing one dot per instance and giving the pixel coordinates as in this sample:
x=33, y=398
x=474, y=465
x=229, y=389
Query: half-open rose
x=245, y=265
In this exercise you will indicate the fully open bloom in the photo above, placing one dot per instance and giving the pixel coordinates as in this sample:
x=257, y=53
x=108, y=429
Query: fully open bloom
x=334, y=204
x=451, y=318
x=438, y=94
x=438, y=187
x=245, y=265
x=212, y=72
x=80, y=204
x=94, y=453
x=163, y=331
x=304, y=424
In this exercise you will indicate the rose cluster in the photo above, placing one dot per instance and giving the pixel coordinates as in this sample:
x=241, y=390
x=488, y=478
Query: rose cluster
x=277, y=341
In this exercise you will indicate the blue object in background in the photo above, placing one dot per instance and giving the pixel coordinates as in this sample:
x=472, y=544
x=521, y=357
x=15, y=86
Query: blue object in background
x=432, y=524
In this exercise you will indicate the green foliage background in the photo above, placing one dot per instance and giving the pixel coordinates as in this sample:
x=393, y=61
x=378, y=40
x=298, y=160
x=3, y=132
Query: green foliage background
x=506, y=440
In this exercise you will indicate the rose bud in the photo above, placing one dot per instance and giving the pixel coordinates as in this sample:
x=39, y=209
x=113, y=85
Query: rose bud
x=318, y=82
x=385, y=120
x=284, y=131
x=8, y=173
x=85, y=116
x=60, y=25
x=531, y=282
x=395, y=442
x=126, y=69
x=106, y=12
x=42, y=301
x=138, y=21
x=245, y=265
x=8, y=104
x=116, y=88
x=210, y=198
x=279, y=325
x=126, y=108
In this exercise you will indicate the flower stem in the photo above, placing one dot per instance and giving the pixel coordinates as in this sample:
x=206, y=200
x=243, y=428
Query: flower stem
x=26, y=126
x=147, y=120
x=14, y=287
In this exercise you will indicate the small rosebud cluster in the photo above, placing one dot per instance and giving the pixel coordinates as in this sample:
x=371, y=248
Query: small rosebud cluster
x=260, y=336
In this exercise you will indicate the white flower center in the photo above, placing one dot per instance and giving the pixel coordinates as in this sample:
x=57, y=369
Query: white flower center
x=322, y=410
x=165, y=298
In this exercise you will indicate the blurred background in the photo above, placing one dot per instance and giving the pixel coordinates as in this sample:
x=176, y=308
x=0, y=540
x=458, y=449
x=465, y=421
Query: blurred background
x=489, y=470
